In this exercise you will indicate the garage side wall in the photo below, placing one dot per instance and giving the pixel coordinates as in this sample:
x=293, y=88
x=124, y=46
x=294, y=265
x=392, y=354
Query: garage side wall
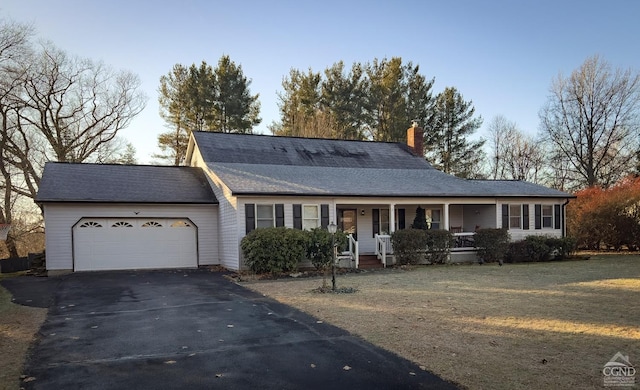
x=227, y=224
x=228, y=249
x=60, y=218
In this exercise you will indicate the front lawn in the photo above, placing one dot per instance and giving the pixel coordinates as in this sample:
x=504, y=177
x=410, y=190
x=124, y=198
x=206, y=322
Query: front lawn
x=18, y=326
x=520, y=326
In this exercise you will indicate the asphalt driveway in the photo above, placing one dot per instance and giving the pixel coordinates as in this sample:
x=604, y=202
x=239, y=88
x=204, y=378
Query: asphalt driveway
x=195, y=329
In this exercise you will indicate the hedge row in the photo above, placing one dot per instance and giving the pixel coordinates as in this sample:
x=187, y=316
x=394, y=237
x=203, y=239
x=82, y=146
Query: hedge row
x=278, y=250
x=540, y=248
x=281, y=249
x=494, y=245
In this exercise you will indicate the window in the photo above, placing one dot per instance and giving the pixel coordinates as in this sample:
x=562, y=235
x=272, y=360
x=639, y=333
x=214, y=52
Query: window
x=384, y=221
x=181, y=223
x=547, y=216
x=515, y=216
x=152, y=224
x=264, y=216
x=90, y=224
x=310, y=216
x=434, y=218
x=122, y=224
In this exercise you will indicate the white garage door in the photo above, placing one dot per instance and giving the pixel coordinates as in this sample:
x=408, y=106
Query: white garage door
x=134, y=243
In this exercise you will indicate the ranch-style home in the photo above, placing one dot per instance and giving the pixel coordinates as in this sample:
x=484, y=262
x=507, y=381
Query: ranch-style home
x=113, y=217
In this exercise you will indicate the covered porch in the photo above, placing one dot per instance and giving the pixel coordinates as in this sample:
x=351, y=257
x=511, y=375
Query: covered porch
x=370, y=227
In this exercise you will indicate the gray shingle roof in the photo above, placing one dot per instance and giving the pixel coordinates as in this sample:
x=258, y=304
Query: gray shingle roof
x=254, y=179
x=66, y=182
x=270, y=150
x=266, y=165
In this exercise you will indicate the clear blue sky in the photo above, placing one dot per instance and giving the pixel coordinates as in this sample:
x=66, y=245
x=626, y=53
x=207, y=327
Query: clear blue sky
x=502, y=55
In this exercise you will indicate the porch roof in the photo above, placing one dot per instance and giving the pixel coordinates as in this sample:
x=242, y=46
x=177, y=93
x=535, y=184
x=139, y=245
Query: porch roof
x=272, y=179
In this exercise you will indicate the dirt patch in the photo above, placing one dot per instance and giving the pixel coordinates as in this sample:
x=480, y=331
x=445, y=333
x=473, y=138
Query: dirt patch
x=535, y=325
x=18, y=327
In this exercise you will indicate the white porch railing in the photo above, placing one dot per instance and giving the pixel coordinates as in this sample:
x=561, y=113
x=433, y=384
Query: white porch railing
x=383, y=247
x=353, y=249
x=464, y=241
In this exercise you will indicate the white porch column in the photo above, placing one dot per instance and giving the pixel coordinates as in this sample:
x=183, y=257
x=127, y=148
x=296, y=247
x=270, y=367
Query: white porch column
x=445, y=216
x=335, y=213
x=392, y=218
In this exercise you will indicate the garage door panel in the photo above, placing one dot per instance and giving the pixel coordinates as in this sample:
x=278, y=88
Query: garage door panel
x=117, y=243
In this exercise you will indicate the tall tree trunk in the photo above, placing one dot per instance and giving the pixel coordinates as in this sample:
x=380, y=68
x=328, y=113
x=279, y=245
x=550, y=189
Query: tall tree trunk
x=10, y=243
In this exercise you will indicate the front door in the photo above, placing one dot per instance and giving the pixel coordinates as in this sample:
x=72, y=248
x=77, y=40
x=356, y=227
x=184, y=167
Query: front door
x=348, y=221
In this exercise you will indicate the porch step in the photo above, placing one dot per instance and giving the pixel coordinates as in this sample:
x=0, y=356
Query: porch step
x=369, y=262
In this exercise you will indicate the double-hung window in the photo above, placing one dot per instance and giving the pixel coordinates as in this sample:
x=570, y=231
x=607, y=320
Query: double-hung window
x=310, y=216
x=515, y=216
x=547, y=216
x=264, y=216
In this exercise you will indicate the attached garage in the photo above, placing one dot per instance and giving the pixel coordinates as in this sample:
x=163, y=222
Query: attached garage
x=118, y=217
x=127, y=243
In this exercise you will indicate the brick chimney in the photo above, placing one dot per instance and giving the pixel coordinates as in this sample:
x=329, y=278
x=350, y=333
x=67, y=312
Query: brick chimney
x=415, y=139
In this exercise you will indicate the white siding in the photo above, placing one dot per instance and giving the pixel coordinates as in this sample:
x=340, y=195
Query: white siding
x=520, y=234
x=227, y=240
x=60, y=218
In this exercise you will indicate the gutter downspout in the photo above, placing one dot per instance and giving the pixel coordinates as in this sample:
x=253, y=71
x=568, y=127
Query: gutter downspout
x=564, y=217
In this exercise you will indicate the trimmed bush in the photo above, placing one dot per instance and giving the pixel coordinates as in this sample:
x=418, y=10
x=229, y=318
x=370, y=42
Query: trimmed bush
x=565, y=247
x=537, y=248
x=540, y=248
x=517, y=252
x=409, y=245
x=492, y=244
x=439, y=243
x=274, y=250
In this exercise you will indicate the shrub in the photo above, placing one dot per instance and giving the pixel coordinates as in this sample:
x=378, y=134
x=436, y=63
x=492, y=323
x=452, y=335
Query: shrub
x=409, y=245
x=566, y=246
x=492, y=244
x=420, y=220
x=318, y=248
x=560, y=247
x=606, y=217
x=439, y=243
x=274, y=250
x=517, y=252
x=540, y=248
x=537, y=248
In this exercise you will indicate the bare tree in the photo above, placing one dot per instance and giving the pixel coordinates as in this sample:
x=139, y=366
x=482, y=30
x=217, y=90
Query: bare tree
x=591, y=121
x=14, y=47
x=54, y=107
x=77, y=105
x=514, y=154
x=499, y=129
